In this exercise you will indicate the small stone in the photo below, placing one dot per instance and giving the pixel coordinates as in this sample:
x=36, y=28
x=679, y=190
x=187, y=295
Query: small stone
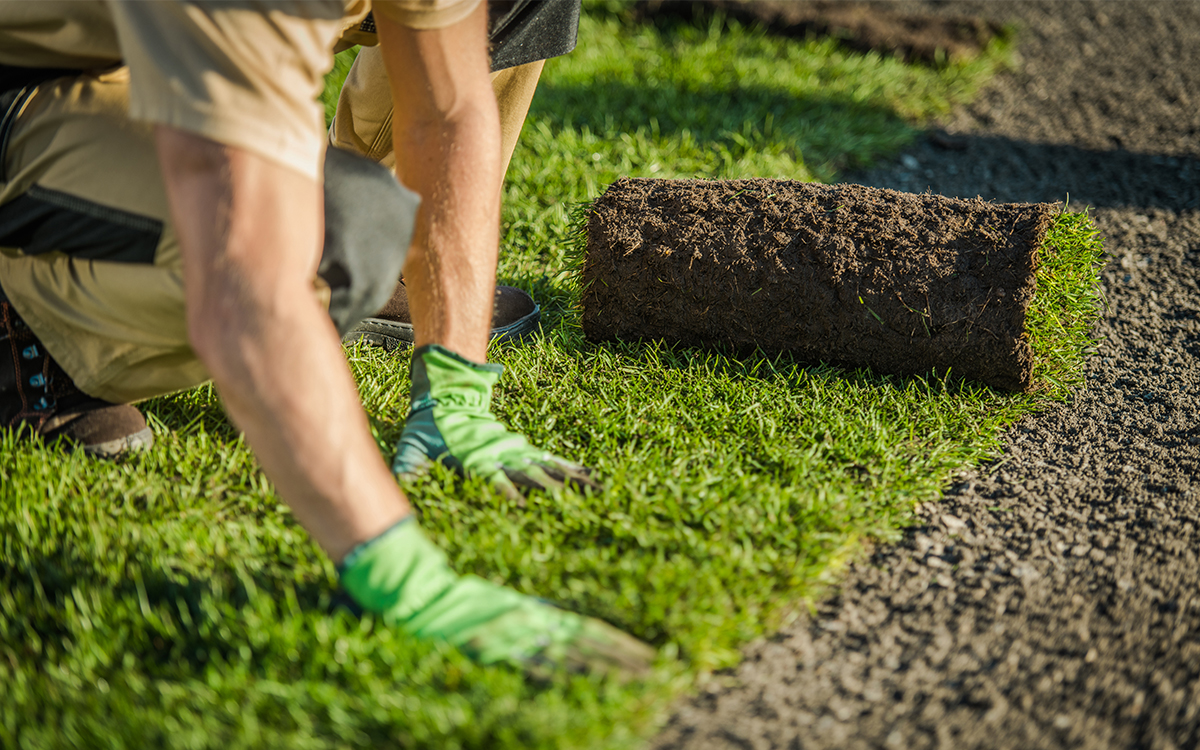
x=953, y=523
x=1025, y=572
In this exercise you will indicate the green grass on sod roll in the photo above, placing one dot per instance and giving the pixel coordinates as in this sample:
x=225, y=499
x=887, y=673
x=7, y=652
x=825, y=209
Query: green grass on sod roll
x=171, y=600
x=1067, y=304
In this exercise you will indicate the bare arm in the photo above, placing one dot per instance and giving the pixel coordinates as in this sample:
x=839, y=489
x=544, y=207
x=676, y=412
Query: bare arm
x=446, y=130
x=250, y=232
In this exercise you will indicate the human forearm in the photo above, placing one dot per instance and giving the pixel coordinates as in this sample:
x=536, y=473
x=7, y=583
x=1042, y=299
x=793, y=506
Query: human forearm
x=450, y=273
x=447, y=145
x=272, y=351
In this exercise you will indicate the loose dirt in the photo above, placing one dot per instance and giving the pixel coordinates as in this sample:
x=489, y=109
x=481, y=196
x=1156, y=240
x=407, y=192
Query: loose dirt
x=1052, y=600
x=861, y=276
x=885, y=27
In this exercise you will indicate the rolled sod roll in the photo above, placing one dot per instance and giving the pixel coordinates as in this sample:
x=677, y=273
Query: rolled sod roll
x=845, y=274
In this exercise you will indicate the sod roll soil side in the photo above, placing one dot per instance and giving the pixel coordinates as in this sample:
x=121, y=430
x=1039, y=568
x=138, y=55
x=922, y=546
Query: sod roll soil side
x=847, y=274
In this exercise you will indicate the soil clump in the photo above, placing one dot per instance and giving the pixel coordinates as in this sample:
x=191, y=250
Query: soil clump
x=1052, y=600
x=866, y=277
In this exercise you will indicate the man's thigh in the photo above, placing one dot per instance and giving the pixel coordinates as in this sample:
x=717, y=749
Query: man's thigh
x=87, y=254
x=89, y=259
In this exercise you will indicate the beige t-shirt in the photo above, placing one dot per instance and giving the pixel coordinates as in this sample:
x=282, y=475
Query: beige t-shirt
x=244, y=73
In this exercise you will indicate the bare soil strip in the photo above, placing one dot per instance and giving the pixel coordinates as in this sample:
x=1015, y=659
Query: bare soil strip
x=1053, y=599
x=886, y=27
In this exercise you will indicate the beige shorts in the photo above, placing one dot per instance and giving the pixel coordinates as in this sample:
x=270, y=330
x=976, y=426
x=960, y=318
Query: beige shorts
x=363, y=122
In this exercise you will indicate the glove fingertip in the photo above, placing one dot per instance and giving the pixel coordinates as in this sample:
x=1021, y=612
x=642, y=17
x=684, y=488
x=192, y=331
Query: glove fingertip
x=538, y=479
x=404, y=467
x=502, y=482
x=566, y=472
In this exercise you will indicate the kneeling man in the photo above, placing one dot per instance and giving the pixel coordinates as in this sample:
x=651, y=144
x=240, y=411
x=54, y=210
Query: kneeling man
x=169, y=213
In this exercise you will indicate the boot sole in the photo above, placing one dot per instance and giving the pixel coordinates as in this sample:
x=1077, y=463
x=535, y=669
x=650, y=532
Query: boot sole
x=392, y=335
x=138, y=441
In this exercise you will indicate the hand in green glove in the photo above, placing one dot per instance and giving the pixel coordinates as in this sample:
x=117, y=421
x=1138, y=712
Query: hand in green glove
x=401, y=576
x=451, y=422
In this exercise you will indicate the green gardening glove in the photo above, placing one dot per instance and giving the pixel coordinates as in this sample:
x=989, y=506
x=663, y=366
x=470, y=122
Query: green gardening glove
x=401, y=576
x=451, y=422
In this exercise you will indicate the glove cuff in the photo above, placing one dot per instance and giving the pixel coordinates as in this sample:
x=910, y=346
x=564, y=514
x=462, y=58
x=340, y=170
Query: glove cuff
x=438, y=373
x=439, y=350
x=397, y=573
x=401, y=576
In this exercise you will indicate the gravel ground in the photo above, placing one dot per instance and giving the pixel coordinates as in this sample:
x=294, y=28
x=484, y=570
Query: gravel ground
x=1052, y=600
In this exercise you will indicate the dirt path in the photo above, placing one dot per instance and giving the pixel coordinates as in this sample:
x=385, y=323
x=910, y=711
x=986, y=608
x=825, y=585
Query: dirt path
x=1053, y=599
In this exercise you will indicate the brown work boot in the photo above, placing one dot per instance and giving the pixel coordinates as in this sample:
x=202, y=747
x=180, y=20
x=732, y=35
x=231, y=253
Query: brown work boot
x=36, y=395
x=514, y=315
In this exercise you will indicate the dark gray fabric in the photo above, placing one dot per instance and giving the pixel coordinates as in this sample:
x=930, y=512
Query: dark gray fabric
x=10, y=103
x=42, y=220
x=369, y=220
x=524, y=31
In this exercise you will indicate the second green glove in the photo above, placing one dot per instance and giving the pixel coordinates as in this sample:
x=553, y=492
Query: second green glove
x=451, y=421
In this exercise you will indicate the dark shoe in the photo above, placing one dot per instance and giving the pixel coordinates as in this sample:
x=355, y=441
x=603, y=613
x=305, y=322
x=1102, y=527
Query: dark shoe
x=514, y=315
x=36, y=394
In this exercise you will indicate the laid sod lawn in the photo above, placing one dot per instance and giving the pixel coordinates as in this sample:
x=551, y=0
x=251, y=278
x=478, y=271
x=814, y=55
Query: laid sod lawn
x=170, y=600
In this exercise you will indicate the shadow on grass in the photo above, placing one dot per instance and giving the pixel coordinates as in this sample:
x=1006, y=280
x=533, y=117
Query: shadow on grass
x=829, y=132
x=183, y=618
x=785, y=367
x=1003, y=169
x=196, y=410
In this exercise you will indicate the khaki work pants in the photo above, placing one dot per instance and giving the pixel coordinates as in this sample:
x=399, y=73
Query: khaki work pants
x=104, y=290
